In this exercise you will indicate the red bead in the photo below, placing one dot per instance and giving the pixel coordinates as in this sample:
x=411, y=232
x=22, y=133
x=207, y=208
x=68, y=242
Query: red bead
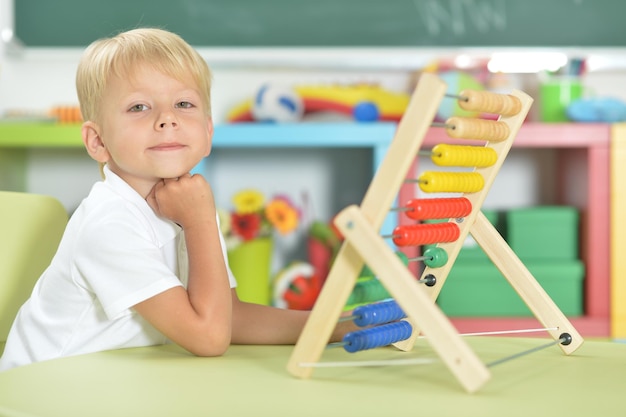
x=425, y=234
x=438, y=208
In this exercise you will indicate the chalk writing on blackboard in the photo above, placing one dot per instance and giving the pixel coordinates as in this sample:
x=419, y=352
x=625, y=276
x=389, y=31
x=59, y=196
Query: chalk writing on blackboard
x=461, y=16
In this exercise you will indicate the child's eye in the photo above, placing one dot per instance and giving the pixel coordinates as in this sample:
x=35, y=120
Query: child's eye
x=185, y=105
x=138, y=108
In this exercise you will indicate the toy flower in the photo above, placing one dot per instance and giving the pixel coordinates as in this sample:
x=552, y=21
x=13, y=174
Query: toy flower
x=282, y=215
x=248, y=201
x=252, y=218
x=246, y=225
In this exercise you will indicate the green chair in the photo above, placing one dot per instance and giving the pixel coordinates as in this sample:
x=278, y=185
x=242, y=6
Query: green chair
x=31, y=227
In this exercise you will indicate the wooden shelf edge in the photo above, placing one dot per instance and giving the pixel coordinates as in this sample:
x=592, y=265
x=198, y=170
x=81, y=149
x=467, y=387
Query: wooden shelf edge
x=535, y=135
x=586, y=326
x=546, y=135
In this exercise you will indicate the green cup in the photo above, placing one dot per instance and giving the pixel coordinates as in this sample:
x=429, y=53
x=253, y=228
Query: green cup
x=250, y=263
x=555, y=96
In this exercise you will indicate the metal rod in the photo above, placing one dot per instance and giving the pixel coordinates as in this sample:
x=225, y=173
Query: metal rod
x=449, y=95
x=564, y=339
x=501, y=332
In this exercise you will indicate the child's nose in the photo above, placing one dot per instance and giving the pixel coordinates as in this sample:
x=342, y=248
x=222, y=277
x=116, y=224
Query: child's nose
x=167, y=119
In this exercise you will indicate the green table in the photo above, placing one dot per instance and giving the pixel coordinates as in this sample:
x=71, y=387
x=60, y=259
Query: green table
x=252, y=381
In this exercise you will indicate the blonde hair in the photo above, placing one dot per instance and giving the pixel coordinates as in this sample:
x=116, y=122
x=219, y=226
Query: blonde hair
x=122, y=54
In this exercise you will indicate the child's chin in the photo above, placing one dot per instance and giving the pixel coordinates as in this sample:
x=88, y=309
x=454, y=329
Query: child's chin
x=173, y=173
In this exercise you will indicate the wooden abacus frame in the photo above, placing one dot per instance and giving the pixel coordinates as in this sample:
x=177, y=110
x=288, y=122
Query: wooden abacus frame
x=363, y=244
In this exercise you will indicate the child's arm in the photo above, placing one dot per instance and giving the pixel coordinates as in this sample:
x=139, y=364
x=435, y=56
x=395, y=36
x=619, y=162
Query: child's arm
x=264, y=325
x=199, y=319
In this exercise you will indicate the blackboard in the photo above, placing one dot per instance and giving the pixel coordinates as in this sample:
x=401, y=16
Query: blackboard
x=331, y=23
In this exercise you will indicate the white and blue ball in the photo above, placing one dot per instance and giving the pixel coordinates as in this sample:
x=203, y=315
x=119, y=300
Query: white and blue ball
x=275, y=103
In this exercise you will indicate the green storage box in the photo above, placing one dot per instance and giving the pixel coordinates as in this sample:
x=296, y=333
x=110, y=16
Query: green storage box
x=543, y=233
x=478, y=289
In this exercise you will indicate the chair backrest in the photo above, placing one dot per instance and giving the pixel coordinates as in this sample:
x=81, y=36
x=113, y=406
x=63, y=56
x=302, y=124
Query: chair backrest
x=31, y=227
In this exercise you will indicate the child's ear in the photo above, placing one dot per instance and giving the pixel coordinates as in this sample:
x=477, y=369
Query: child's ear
x=93, y=143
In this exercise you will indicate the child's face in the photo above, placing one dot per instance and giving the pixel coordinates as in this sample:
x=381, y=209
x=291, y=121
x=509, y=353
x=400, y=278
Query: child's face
x=152, y=127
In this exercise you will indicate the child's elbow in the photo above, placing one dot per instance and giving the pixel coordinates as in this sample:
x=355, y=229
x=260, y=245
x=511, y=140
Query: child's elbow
x=210, y=352
x=213, y=347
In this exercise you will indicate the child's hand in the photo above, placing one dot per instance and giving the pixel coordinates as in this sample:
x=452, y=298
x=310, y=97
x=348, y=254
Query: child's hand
x=187, y=200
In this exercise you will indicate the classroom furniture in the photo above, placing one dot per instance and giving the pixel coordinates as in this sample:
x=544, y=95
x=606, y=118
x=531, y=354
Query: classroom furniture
x=582, y=160
x=252, y=381
x=618, y=231
x=330, y=23
x=31, y=227
x=16, y=139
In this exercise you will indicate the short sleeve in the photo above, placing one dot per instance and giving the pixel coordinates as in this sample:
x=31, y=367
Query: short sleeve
x=123, y=261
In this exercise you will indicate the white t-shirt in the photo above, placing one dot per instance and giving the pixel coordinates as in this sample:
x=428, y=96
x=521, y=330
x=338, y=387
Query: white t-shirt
x=114, y=254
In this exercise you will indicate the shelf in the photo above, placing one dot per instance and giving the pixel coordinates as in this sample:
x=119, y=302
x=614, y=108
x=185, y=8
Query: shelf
x=532, y=135
x=327, y=135
x=583, y=172
x=17, y=138
x=376, y=136
x=40, y=135
x=546, y=135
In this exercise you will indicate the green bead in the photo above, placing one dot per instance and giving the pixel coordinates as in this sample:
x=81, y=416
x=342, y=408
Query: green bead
x=367, y=291
x=403, y=257
x=435, y=257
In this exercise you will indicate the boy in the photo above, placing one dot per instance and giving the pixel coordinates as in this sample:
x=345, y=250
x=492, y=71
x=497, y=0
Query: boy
x=142, y=261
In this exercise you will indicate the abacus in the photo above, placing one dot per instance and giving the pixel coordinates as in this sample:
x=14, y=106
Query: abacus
x=413, y=311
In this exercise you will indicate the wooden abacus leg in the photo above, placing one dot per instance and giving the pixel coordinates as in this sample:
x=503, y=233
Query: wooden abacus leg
x=376, y=205
x=413, y=299
x=535, y=297
x=325, y=314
